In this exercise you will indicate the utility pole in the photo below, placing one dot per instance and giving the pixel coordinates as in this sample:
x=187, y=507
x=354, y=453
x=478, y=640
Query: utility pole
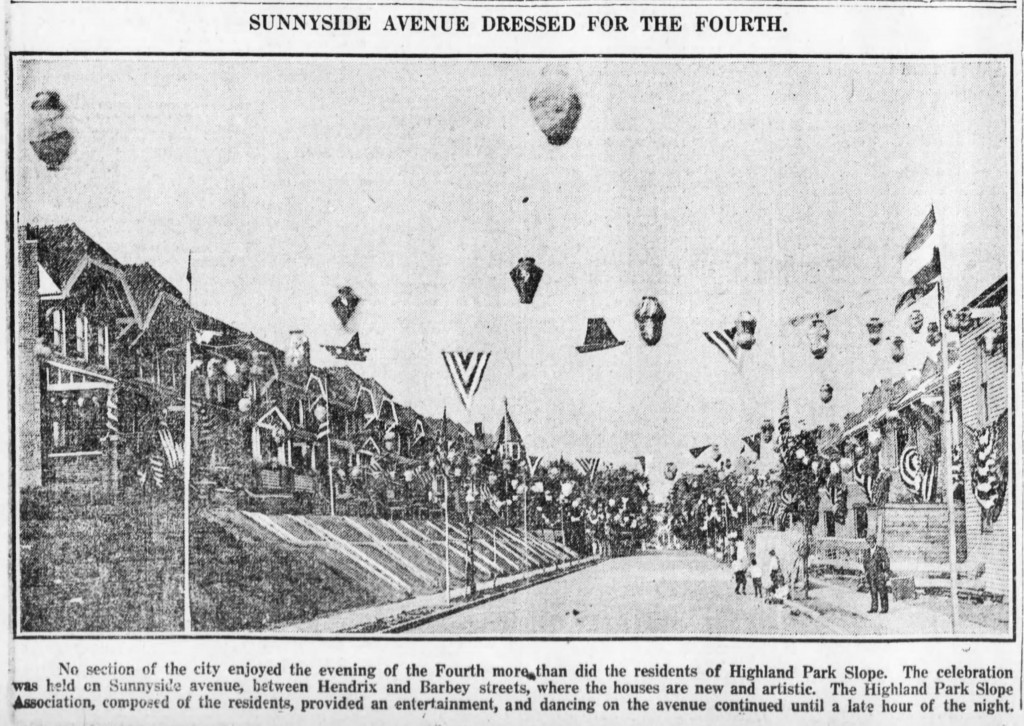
x=947, y=456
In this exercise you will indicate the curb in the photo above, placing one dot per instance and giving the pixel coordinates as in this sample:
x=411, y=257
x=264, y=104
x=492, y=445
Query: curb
x=484, y=599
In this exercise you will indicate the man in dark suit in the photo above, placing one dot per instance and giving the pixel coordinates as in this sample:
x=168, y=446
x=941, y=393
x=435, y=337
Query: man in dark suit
x=876, y=572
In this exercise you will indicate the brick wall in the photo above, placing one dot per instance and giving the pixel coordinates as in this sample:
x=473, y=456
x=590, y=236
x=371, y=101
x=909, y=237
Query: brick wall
x=27, y=384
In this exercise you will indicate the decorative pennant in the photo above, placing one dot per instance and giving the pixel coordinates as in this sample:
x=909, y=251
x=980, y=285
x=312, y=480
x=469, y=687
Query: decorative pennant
x=725, y=342
x=532, y=464
x=467, y=372
x=589, y=467
x=696, y=451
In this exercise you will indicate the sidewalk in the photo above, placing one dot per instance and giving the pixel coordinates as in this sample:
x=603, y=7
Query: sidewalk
x=846, y=610
x=350, y=619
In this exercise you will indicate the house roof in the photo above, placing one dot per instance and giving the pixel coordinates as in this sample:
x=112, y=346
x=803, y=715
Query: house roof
x=62, y=247
x=147, y=284
x=507, y=431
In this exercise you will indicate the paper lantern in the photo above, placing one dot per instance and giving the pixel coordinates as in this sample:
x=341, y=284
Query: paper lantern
x=817, y=336
x=492, y=478
x=297, y=354
x=916, y=320
x=526, y=277
x=767, y=429
x=555, y=106
x=934, y=335
x=320, y=412
x=833, y=468
x=801, y=454
x=650, y=316
x=244, y=404
x=345, y=304
x=231, y=370
x=746, y=324
x=846, y=463
x=951, y=319
x=407, y=475
x=990, y=340
x=897, y=349
x=874, y=438
x=49, y=137
x=874, y=330
x=825, y=393
x=716, y=453
x=671, y=470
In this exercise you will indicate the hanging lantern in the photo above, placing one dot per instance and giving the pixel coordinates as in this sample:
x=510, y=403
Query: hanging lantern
x=805, y=461
x=834, y=468
x=990, y=339
x=231, y=370
x=555, y=105
x=874, y=438
x=934, y=336
x=297, y=354
x=746, y=324
x=213, y=367
x=244, y=404
x=951, y=319
x=553, y=472
x=526, y=277
x=650, y=316
x=858, y=451
x=50, y=139
x=825, y=392
x=716, y=453
x=801, y=454
x=320, y=412
x=538, y=488
x=356, y=471
x=916, y=320
x=897, y=349
x=407, y=475
x=767, y=429
x=492, y=477
x=567, y=487
x=345, y=304
x=846, y=463
x=671, y=470
x=874, y=330
x=818, y=338
x=963, y=319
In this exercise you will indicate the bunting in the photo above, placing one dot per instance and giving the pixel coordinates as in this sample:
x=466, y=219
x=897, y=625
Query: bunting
x=173, y=452
x=753, y=443
x=724, y=341
x=865, y=480
x=696, y=451
x=112, y=421
x=589, y=467
x=532, y=464
x=467, y=372
x=156, y=466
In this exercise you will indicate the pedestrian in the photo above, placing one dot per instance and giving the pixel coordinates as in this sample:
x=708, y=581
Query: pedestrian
x=739, y=571
x=775, y=577
x=755, y=576
x=876, y=572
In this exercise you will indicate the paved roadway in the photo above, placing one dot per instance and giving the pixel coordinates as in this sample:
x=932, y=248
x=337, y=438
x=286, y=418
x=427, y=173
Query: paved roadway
x=666, y=593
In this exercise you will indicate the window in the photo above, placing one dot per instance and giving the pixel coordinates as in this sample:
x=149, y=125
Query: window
x=861, y=520
x=77, y=424
x=99, y=349
x=830, y=524
x=79, y=346
x=58, y=332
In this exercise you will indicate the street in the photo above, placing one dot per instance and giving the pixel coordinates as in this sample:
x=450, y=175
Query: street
x=665, y=593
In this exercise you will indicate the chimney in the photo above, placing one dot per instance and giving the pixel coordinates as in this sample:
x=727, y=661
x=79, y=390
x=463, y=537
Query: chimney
x=27, y=417
x=297, y=355
x=478, y=431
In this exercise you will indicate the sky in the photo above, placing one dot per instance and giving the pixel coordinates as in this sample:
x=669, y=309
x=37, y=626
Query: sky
x=778, y=186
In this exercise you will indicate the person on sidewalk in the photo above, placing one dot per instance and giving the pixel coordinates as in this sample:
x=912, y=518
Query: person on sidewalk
x=775, y=577
x=876, y=572
x=739, y=571
x=755, y=576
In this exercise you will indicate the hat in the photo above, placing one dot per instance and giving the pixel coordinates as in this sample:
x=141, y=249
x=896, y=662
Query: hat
x=599, y=337
x=350, y=351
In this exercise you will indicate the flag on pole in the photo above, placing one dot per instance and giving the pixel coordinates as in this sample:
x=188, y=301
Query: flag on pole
x=466, y=371
x=589, y=467
x=643, y=464
x=724, y=342
x=921, y=262
x=188, y=273
x=784, y=417
x=696, y=451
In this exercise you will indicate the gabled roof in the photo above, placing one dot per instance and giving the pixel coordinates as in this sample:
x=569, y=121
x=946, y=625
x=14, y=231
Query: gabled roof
x=147, y=284
x=62, y=247
x=507, y=431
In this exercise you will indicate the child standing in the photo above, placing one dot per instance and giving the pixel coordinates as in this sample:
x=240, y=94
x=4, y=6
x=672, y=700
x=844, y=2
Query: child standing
x=739, y=570
x=755, y=575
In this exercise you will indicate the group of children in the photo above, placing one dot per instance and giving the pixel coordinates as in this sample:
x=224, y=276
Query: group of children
x=740, y=570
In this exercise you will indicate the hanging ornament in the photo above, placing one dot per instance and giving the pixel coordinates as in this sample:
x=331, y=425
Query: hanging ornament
x=320, y=412
x=345, y=304
x=990, y=339
x=963, y=319
x=834, y=468
x=526, y=277
x=874, y=330
x=767, y=429
x=650, y=316
x=934, y=336
x=746, y=324
x=874, y=438
x=846, y=463
x=801, y=454
x=555, y=105
x=858, y=451
x=244, y=404
x=825, y=392
x=818, y=338
x=231, y=370
x=671, y=470
x=951, y=319
x=897, y=349
x=716, y=453
x=50, y=139
x=916, y=321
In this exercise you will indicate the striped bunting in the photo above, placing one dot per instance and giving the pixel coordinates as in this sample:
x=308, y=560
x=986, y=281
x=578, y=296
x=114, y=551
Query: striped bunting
x=112, y=421
x=532, y=464
x=724, y=341
x=910, y=469
x=589, y=467
x=172, y=450
x=928, y=484
x=156, y=466
x=784, y=427
x=467, y=372
x=865, y=480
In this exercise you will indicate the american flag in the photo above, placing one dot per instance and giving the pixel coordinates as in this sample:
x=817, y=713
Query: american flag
x=784, y=417
x=724, y=342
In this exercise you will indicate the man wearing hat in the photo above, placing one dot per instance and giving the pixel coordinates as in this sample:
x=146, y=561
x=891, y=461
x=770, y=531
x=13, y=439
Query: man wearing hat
x=876, y=572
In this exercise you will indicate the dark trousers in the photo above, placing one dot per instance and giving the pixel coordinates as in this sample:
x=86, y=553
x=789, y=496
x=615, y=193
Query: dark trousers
x=879, y=591
x=757, y=586
x=741, y=581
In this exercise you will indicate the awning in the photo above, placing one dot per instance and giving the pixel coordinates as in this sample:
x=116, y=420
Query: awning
x=67, y=377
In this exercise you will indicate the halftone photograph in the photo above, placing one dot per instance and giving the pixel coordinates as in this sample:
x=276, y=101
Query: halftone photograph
x=513, y=347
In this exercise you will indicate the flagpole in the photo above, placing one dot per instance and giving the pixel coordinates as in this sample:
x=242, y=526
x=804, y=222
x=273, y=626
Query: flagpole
x=187, y=474
x=947, y=455
x=327, y=405
x=447, y=531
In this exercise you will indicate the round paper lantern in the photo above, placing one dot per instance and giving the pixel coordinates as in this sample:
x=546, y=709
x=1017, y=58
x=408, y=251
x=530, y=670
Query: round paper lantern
x=746, y=324
x=874, y=330
x=555, y=106
x=231, y=370
x=916, y=321
x=874, y=438
x=951, y=319
x=671, y=470
x=801, y=454
x=825, y=393
x=934, y=335
x=244, y=404
x=990, y=340
x=897, y=349
x=492, y=478
x=767, y=429
x=817, y=336
x=846, y=463
x=407, y=474
x=650, y=316
x=320, y=412
x=49, y=137
x=833, y=468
